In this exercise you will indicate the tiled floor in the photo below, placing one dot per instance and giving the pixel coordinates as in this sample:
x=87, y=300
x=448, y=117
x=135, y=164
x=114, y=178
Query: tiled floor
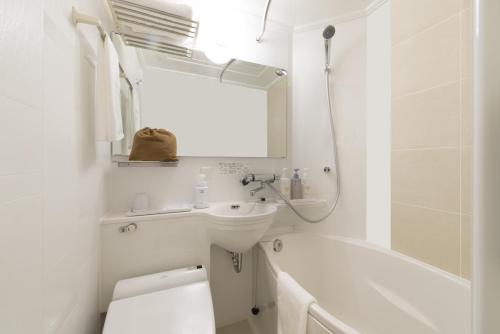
x=241, y=327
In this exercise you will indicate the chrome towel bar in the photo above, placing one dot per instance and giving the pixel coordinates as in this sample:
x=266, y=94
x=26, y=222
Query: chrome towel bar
x=78, y=17
x=143, y=42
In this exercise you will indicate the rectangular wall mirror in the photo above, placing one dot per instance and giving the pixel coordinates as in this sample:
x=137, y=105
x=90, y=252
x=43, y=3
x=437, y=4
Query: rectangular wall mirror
x=238, y=109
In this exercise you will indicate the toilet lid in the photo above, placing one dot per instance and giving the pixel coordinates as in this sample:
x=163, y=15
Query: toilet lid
x=185, y=309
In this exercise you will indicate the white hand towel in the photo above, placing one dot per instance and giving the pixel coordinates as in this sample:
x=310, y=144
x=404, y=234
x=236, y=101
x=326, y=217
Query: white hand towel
x=108, y=115
x=129, y=59
x=127, y=118
x=293, y=305
x=131, y=64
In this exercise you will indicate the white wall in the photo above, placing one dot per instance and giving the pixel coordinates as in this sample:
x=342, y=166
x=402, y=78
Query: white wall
x=311, y=141
x=52, y=186
x=378, y=127
x=277, y=119
x=307, y=12
x=209, y=118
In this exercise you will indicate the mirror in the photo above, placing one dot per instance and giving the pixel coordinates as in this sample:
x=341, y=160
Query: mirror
x=238, y=109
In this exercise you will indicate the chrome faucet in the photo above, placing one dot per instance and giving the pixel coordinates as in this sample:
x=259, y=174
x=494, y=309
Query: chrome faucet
x=256, y=190
x=262, y=178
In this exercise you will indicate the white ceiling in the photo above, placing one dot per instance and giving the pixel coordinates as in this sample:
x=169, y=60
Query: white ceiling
x=308, y=11
x=292, y=12
x=300, y=12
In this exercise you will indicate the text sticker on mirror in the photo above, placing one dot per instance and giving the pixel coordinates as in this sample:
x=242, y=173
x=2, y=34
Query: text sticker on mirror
x=233, y=168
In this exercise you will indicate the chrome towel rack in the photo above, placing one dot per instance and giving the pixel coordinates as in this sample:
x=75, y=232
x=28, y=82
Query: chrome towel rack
x=78, y=17
x=159, y=25
x=128, y=12
x=140, y=41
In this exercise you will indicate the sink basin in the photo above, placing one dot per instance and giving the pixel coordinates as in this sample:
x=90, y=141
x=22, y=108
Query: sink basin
x=238, y=226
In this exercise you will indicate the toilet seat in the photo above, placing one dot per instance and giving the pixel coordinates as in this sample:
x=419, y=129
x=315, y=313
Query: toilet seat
x=185, y=309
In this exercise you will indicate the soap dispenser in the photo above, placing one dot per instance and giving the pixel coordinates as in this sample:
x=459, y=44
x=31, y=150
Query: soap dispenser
x=296, y=185
x=201, y=192
x=285, y=183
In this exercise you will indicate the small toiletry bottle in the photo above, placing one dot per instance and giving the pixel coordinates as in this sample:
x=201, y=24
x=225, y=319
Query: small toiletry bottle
x=296, y=185
x=285, y=183
x=306, y=184
x=201, y=193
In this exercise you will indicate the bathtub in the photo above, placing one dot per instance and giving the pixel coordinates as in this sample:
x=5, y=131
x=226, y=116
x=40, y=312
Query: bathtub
x=361, y=288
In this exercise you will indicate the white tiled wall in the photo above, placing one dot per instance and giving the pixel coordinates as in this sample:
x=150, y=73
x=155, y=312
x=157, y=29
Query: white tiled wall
x=52, y=187
x=311, y=141
x=431, y=129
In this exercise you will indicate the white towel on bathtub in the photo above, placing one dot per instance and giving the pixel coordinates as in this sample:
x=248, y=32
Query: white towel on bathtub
x=293, y=305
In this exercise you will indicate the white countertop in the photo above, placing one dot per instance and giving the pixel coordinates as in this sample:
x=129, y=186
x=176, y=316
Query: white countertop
x=121, y=217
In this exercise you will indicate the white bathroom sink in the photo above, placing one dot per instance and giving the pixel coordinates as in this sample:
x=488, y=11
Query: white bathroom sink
x=242, y=211
x=238, y=226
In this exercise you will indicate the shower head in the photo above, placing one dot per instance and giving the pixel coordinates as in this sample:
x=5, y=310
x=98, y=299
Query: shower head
x=281, y=72
x=328, y=33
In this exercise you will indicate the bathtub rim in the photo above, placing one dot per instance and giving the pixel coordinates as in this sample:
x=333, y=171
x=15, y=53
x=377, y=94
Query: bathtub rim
x=368, y=245
x=316, y=310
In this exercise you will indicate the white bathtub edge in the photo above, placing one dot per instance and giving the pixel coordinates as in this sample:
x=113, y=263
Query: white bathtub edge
x=329, y=321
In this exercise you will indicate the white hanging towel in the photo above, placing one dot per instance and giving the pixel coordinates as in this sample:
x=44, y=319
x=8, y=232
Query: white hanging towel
x=108, y=115
x=133, y=69
x=129, y=59
x=293, y=305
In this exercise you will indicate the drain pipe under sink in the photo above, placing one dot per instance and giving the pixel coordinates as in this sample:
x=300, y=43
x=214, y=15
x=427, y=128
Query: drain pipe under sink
x=237, y=259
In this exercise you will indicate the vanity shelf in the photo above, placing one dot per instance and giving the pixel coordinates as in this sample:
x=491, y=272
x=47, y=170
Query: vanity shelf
x=122, y=161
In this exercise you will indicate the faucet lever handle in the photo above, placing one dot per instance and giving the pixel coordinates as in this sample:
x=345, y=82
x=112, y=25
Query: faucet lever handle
x=262, y=178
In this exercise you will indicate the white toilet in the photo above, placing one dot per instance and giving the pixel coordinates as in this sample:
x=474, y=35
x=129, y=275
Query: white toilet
x=177, y=301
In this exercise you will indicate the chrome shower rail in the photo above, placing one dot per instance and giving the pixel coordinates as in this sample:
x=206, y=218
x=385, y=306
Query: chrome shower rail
x=264, y=21
x=221, y=75
x=151, y=18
